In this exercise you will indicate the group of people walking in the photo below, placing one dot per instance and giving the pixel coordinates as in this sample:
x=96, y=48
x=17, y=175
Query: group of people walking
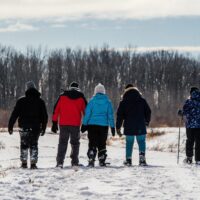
x=72, y=114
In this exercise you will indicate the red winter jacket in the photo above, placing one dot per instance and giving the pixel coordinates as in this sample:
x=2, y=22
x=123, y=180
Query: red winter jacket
x=69, y=108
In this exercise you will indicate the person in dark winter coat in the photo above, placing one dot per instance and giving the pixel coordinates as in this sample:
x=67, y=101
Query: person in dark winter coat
x=69, y=109
x=98, y=117
x=191, y=110
x=135, y=114
x=31, y=113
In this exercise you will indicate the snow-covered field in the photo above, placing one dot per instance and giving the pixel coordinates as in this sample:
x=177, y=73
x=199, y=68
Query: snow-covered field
x=162, y=179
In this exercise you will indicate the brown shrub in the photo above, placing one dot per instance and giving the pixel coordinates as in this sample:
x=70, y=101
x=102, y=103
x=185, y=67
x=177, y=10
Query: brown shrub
x=4, y=116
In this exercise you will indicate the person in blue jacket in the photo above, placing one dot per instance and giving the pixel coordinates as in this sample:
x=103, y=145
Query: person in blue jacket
x=98, y=117
x=135, y=114
x=191, y=110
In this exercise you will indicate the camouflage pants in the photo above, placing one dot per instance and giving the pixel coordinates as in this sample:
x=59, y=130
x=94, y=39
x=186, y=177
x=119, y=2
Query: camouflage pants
x=29, y=141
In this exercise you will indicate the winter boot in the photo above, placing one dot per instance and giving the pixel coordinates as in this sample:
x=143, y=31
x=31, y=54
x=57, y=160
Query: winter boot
x=198, y=163
x=91, y=163
x=142, y=159
x=24, y=165
x=102, y=157
x=33, y=166
x=188, y=160
x=91, y=155
x=128, y=162
x=59, y=165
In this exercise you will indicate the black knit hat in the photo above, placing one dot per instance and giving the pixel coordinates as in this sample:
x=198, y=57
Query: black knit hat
x=74, y=85
x=128, y=86
x=30, y=84
x=192, y=89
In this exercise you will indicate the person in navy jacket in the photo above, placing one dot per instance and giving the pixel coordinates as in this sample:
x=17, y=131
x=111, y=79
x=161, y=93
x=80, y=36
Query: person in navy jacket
x=191, y=110
x=135, y=114
x=98, y=117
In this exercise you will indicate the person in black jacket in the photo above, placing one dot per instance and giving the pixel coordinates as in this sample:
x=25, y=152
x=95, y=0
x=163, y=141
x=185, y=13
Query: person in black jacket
x=135, y=114
x=31, y=113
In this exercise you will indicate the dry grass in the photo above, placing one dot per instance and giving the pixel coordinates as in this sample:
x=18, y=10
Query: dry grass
x=4, y=115
x=110, y=140
x=154, y=133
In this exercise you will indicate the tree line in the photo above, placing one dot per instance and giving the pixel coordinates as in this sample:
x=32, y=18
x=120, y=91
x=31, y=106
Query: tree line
x=163, y=77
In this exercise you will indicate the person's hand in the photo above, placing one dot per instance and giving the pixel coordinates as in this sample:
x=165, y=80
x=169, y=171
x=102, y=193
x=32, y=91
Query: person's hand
x=180, y=113
x=147, y=123
x=84, y=128
x=113, y=131
x=42, y=132
x=10, y=130
x=119, y=132
x=43, y=129
x=54, y=127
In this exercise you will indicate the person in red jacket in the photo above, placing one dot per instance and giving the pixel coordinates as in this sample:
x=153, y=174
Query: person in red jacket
x=69, y=109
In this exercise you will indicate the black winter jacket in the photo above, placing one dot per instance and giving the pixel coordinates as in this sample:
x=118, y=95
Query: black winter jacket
x=30, y=111
x=134, y=112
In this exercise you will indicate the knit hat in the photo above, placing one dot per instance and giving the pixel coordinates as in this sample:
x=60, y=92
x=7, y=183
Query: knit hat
x=99, y=89
x=74, y=85
x=192, y=89
x=29, y=85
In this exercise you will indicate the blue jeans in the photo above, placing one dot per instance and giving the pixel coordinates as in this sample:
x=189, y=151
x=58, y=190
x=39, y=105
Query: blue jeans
x=141, y=140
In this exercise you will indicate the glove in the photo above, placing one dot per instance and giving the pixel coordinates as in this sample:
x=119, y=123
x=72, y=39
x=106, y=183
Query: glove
x=54, y=127
x=119, y=132
x=42, y=132
x=43, y=129
x=180, y=113
x=113, y=131
x=147, y=123
x=84, y=128
x=10, y=130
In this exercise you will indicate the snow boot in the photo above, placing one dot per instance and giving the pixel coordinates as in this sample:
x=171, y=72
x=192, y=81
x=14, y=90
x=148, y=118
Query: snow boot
x=33, y=166
x=142, y=159
x=128, y=162
x=91, y=162
x=102, y=163
x=188, y=160
x=59, y=166
x=198, y=163
x=102, y=158
x=24, y=165
x=91, y=155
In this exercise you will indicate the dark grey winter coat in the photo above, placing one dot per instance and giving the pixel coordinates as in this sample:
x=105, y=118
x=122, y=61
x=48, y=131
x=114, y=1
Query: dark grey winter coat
x=133, y=112
x=30, y=111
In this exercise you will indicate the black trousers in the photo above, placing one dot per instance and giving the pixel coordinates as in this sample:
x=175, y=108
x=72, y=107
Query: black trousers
x=97, y=136
x=66, y=132
x=29, y=141
x=193, y=138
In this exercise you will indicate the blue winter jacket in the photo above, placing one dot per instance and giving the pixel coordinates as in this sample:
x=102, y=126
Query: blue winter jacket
x=191, y=110
x=99, y=111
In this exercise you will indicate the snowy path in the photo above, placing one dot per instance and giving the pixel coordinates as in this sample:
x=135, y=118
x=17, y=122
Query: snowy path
x=163, y=179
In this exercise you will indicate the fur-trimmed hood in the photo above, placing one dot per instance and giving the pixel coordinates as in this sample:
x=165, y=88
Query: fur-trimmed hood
x=132, y=92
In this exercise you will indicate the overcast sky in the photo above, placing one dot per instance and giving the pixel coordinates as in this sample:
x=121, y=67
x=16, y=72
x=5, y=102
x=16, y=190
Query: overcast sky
x=145, y=24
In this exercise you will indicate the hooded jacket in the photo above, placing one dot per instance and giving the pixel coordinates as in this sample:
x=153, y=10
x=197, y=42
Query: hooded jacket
x=133, y=112
x=69, y=108
x=30, y=111
x=99, y=111
x=191, y=110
